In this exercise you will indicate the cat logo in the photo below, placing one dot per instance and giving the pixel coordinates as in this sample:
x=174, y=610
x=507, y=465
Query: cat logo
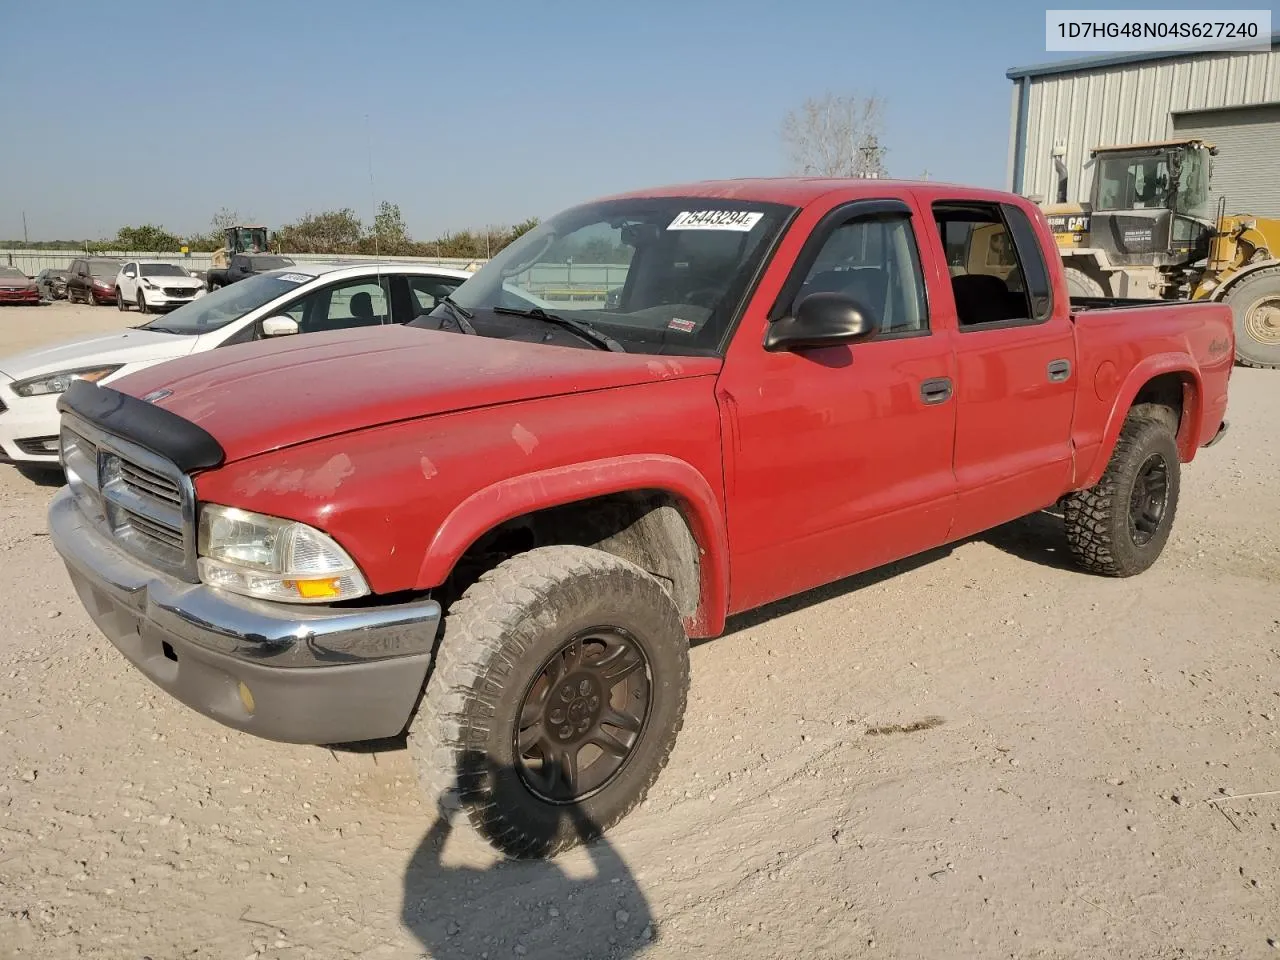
x=1069, y=223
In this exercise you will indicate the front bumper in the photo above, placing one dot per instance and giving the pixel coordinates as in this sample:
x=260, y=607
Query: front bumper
x=28, y=298
x=315, y=675
x=26, y=420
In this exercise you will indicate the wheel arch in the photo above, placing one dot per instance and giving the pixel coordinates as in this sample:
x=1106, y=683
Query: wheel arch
x=655, y=510
x=1224, y=288
x=1167, y=379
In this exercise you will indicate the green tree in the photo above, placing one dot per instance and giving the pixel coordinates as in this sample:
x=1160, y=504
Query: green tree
x=147, y=238
x=331, y=231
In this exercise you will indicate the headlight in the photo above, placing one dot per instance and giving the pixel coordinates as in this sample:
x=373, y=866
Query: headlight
x=274, y=559
x=59, y=382
x=149, y=285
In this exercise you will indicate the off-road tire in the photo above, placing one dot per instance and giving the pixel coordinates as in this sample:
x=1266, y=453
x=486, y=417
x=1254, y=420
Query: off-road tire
x=1083, y=284
x=1254, y=289
x=1097, y=519
x=498, y=636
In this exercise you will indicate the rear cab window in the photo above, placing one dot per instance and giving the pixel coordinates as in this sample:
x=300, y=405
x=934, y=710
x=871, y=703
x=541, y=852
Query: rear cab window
x=998, y=272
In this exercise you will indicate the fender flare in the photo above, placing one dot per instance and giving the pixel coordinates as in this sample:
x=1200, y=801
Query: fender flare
x=1147, y=370
x=1219, y=293
x=516, y=496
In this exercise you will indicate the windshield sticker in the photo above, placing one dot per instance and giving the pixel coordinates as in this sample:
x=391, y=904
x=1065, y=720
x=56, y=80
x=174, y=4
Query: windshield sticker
x=739, y=220
x=294, y=277
x=684, y=326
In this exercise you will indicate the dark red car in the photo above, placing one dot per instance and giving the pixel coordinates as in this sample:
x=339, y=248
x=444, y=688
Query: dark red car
x=17, y=287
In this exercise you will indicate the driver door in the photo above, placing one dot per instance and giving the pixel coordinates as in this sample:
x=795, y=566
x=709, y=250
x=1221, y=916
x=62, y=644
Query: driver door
x=839, y=459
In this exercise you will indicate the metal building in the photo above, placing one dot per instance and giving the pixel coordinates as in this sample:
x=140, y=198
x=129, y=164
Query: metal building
x=1230, y=98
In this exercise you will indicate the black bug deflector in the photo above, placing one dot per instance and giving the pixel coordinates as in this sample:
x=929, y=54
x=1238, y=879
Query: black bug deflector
x=153, y=428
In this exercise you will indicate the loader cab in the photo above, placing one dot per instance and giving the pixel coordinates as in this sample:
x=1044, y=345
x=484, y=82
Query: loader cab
x=246, y=239
x=1150, y=204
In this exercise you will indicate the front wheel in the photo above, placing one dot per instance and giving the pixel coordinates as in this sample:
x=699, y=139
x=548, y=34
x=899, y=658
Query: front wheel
x=1255, y=309
x=121, y=304
x=555, y=699
x=1119, y=526
x=142, y=303
x=1082, y=284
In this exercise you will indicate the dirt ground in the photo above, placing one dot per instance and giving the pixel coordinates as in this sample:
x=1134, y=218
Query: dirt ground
x=978, y=753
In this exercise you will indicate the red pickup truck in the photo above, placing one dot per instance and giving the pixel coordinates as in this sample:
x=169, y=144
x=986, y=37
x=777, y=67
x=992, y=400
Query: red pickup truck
x=499, y=525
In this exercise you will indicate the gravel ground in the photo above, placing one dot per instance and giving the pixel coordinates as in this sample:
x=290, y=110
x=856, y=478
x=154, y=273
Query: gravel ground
x=977, y=753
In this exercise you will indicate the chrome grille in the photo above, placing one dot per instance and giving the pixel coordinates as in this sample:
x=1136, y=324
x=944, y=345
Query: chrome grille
x=144, y=502
x=151, y=484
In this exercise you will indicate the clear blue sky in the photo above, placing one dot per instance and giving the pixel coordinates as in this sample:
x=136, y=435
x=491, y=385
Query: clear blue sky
x=144, y=111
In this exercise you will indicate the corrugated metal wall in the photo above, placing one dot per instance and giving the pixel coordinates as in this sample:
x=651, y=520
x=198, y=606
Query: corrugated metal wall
x=1247, y=168
x=1130, y=103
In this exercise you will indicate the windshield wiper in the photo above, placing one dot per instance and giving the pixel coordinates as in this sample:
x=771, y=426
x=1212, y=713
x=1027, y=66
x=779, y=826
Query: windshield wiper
x=461, y=315
x=583, y=330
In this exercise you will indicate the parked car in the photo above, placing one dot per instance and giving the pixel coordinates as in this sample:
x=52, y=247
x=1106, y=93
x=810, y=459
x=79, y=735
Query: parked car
x=93, y=280
x=52, y=284
x=17, y=287
x=244, y=265
x=499, y=526
x=299, y=300
x=154, y=285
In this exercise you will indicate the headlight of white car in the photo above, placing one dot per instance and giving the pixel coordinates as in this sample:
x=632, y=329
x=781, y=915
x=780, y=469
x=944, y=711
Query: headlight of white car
x=59, y=382
x=274, y=559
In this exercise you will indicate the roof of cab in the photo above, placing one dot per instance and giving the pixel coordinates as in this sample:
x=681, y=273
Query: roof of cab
x=800, y=191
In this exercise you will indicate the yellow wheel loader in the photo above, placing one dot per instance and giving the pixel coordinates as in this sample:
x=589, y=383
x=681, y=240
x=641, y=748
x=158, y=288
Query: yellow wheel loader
x=1148, y=232
x=241, y=238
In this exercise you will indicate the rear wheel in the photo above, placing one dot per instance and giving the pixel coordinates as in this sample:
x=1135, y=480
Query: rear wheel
x=1119, y=526
x=1083, y=284
x=1255, y=309
x=554, y=701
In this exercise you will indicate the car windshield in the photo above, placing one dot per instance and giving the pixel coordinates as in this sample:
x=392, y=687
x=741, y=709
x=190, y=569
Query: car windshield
x=104, y=268
x=215, y=310
x=268, y=263
x=11, y=273
x=162, y=270
x=658, y=275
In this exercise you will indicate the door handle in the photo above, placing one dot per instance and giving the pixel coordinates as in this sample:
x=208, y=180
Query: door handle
x=936, y=390
x=1059, y=370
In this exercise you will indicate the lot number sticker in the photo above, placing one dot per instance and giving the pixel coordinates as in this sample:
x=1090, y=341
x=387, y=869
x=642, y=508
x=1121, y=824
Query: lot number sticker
x=739, y=220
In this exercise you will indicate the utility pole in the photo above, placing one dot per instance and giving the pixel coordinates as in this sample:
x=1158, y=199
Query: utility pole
x=25, y=241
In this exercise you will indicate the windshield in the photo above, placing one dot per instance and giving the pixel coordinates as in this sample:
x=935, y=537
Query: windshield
x=215, y=310
x=10, y=273
x=659, y=275
x=104, y=268
x=162, y=270
x=269, y=263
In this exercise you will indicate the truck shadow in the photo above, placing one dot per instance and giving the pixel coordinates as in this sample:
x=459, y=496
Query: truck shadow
x=41, y=476
x=524, y=908
x=1038, y=538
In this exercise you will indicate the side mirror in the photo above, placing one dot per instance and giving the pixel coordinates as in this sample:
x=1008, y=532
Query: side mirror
x=279, y=327
x=822, y=320
x=129, y=274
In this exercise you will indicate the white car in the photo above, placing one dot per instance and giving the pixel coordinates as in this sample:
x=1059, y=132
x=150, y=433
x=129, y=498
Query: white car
x=151, y=285
x=296, y=300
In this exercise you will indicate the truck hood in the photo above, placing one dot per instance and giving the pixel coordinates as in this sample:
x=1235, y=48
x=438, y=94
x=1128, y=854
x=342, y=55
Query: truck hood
x=127, y=346
x=262, y=396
